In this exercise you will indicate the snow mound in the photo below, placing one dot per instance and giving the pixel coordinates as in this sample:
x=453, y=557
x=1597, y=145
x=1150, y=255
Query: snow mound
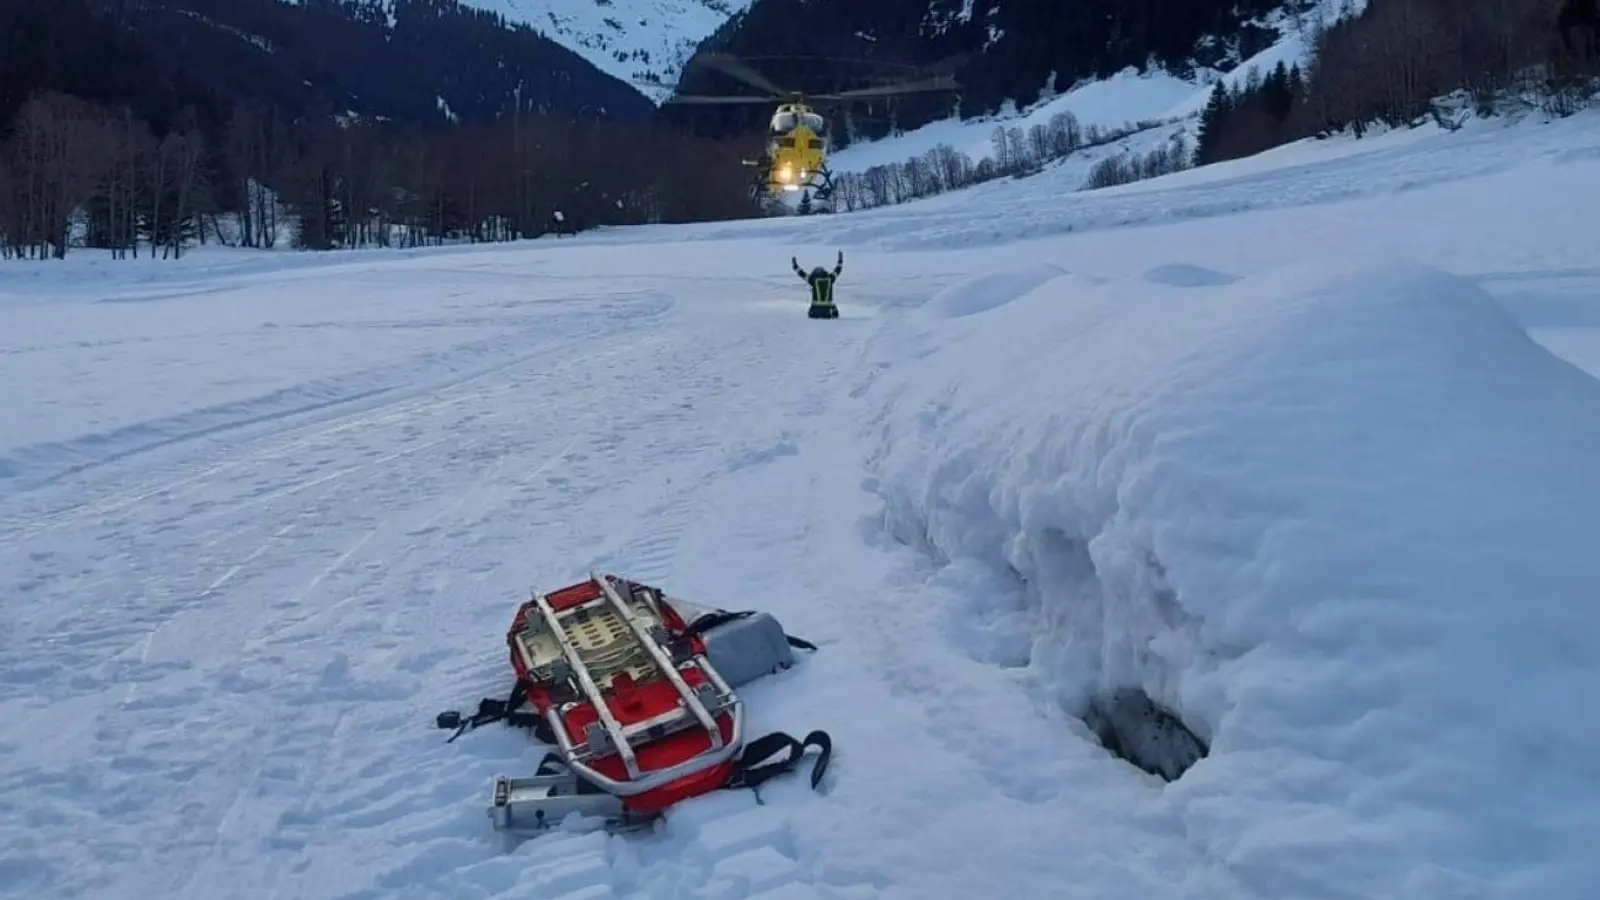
x=991, y=291
x=1339, y=518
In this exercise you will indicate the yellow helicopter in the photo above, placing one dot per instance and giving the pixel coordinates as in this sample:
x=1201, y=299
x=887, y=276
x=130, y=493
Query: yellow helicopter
x=798, y=139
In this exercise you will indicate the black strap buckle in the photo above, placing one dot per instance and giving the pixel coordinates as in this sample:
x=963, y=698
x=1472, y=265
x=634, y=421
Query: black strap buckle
x=489, y=710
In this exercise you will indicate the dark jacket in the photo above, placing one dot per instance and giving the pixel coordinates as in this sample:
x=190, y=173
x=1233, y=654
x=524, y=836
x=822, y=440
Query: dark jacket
x=821, y=281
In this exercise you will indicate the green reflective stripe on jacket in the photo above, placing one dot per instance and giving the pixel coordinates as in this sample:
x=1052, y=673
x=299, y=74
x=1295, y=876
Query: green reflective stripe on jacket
x=821, y=290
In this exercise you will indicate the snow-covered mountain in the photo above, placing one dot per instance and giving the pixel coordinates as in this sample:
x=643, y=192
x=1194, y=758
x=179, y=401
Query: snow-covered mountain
x=1168, y=102
x=635, y=40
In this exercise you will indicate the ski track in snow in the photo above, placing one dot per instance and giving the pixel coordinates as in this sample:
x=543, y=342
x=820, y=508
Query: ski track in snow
x=238, y=620
x=232, y=621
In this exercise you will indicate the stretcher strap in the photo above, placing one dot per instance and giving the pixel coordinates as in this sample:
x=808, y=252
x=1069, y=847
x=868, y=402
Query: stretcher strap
x=492, y=710
x=753, y=769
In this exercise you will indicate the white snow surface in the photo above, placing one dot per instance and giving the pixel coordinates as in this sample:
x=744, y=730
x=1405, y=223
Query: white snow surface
x=1304, y=446
x=634, y=40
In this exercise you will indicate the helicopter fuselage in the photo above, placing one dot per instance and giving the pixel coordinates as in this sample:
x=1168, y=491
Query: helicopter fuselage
x=797, y=148
x=797, y=141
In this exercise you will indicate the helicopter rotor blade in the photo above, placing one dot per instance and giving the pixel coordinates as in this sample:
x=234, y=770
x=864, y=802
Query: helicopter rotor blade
x=716, y=99
x=939, y=83
x=733, y=66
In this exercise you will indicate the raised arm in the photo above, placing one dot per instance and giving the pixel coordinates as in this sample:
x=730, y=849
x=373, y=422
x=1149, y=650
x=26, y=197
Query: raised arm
x=839, y=267
x=797, y=270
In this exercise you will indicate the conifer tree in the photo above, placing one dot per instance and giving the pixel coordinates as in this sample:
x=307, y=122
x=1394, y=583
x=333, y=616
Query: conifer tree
x=1212, y=122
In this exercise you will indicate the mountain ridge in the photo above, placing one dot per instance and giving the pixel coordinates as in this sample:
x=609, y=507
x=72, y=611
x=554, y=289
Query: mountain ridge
x=418, y=62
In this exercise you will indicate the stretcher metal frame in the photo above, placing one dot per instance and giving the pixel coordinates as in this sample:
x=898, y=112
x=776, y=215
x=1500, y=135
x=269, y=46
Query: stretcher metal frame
x=567, y=781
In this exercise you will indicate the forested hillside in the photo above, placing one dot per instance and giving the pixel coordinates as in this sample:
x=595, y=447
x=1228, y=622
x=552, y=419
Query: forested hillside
x=1332, y=67
x=1000, y=50
x=369, y=121
x=1404, y=62
x=1384, y=61
x=144, y=126
x=415, y=61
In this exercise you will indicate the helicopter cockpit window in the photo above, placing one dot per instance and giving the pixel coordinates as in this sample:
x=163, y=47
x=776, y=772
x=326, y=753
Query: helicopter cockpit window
x=784, y=121
x=813, y=122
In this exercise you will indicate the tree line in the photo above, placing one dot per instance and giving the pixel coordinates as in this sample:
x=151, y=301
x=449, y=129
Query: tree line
x=74, y=173
x=1396, y=62
x=1016, y=152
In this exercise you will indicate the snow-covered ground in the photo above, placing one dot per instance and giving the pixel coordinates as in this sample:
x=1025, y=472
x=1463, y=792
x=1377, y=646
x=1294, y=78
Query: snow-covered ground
x=1303, y=446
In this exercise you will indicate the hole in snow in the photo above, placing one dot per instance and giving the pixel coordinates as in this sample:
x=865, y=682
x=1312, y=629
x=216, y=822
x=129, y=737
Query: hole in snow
x=1133, y=727
x=1078, y=627
x=1100, y=625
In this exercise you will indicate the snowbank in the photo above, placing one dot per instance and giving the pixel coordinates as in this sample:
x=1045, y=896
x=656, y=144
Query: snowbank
x=1341, y=518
